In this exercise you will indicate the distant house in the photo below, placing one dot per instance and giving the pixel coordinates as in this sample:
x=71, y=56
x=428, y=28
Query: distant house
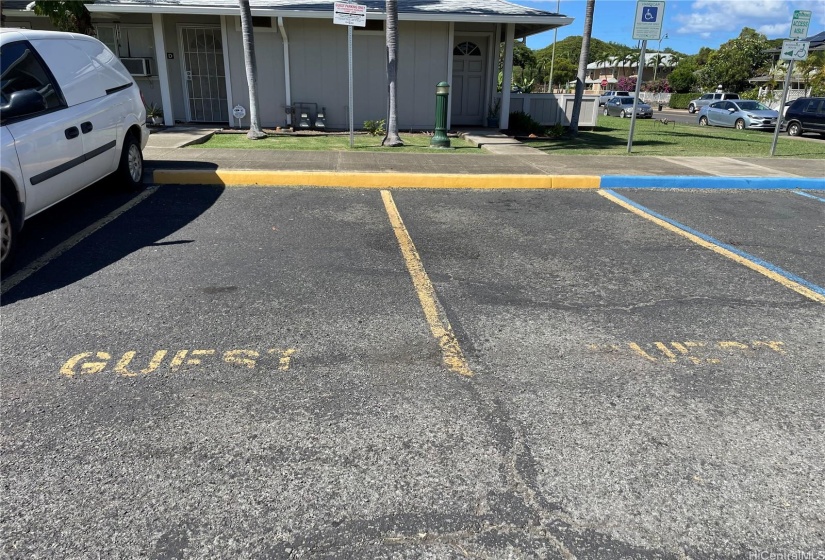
x=187, y=56
x=608, y=72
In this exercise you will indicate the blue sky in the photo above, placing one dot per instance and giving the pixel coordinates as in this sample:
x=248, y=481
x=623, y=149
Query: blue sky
x=689, y=24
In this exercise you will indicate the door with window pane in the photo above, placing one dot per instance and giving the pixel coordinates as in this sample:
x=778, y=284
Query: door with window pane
x=468, y=83
x=204, y=74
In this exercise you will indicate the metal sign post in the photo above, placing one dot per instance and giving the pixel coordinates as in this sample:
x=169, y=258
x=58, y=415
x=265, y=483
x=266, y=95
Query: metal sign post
x=781, y=108
x=351, y=96
x=650, y=15
x=792, y=51
x=636, y=96
x=345, y=13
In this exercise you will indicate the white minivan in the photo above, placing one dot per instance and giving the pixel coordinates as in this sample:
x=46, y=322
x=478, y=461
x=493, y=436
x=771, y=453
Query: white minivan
x=70, y=114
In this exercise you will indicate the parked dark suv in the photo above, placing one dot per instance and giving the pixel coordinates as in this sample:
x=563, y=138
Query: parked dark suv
x=806, y=114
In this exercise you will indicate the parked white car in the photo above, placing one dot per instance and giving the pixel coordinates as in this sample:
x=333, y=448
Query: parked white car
x=70, y=114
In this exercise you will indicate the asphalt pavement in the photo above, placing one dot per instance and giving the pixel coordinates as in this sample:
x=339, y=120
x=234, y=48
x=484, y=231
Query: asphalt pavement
x=226, y=371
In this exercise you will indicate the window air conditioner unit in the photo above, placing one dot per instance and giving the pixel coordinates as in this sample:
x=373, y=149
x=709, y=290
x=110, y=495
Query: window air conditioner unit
x=138, y=66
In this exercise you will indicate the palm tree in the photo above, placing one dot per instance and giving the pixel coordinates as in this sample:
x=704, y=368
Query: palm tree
x=392, y=139
x=626, y=58
x=585, y=52
x=603, y=61
x=655, y=62
x=633, y=58
x=255, y=132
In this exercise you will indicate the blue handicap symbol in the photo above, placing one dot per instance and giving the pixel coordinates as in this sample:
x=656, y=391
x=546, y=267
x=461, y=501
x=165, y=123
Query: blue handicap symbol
x=650, y=13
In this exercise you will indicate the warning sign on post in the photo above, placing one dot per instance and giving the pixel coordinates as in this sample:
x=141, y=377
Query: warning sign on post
x=345, y=13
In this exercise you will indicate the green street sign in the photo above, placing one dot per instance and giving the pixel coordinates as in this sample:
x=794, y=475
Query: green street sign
x=800, y=23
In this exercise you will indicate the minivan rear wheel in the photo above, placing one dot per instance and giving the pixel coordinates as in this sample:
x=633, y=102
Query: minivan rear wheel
x=794, y=129
x=8, y=234
x=130, y=170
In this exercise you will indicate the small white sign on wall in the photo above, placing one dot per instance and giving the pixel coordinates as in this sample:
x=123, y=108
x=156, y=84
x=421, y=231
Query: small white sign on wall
x=239, y=112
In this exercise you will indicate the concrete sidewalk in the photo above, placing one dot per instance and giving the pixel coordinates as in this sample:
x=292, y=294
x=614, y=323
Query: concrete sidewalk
x=167, y=163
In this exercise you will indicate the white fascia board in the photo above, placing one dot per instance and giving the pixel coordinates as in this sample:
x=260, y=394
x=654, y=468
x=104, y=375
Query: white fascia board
x=232, y=11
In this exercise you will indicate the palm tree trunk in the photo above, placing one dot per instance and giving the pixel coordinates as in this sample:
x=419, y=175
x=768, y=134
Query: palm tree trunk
x=392, y=139
x=582, y=75
x=255, y=132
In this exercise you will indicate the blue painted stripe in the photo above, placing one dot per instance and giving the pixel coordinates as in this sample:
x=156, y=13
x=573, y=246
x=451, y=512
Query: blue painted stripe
x=810, y=196
x=818, y=289
x=683, y=182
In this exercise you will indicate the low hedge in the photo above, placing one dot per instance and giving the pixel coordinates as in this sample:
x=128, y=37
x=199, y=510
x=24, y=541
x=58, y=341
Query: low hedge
x=523, y=124
x=682, y=100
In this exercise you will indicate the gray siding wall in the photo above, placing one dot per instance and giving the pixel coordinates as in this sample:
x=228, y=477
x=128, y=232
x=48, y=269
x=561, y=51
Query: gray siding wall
x=318, y=59
x=422, y=63
x=318, y=64
x=269, y=60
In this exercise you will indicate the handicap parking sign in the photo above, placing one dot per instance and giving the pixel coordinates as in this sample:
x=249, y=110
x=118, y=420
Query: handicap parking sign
x=649, y=16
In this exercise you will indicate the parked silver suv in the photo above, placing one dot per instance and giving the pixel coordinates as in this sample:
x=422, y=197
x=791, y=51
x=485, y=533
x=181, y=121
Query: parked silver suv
x=709, y=98
x=607, y=95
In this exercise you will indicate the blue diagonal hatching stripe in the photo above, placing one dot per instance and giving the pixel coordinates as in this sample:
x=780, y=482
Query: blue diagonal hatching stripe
x=772, y=267
x=803, y=193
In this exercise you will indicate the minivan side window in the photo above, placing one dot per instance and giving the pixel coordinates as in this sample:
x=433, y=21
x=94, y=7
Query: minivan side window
x=21, y=69
x=811, y=106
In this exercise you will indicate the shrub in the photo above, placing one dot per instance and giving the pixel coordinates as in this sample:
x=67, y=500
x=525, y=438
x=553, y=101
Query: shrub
x=375, y=128
x=626, y=83
x=556, y=131
x=681, y=100
x=682, y=79
x=522, y=123
x=659, y=86
x=750, y=94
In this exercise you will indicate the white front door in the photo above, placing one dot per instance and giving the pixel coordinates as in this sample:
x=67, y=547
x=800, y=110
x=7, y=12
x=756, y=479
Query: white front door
x=204, y=74
x=468, y=82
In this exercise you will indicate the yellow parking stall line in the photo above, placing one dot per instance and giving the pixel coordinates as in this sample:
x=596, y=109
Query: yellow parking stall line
x=452, y=355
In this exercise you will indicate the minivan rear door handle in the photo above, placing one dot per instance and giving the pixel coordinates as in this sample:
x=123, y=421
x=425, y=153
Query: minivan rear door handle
x=72, y=132
x=86, y=127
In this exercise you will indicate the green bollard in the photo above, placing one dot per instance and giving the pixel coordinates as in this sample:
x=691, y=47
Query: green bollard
x=439, y=139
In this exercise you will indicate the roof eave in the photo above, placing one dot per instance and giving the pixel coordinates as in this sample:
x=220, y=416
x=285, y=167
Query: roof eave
x=527, y=25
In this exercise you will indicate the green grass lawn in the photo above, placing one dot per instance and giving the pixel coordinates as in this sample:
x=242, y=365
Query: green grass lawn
x=413, y=143
x=651, y=138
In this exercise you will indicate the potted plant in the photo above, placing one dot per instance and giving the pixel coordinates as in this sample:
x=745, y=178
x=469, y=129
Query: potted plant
x=154, y=115
x=492, y=113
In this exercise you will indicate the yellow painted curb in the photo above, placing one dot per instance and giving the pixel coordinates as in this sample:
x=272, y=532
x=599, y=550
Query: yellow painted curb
x=372, y=180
